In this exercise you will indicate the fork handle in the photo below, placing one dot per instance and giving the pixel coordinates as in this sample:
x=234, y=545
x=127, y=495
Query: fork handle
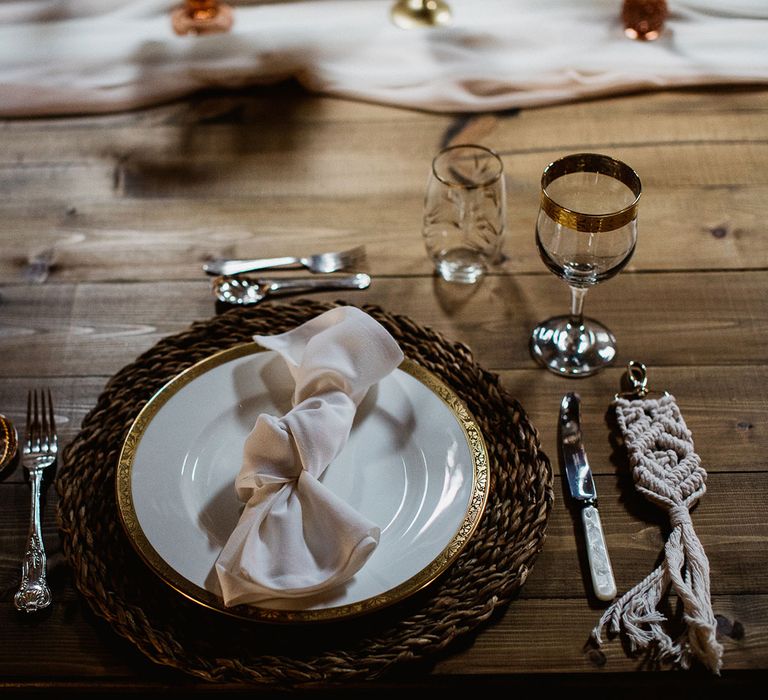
x=33, y=593
x=239, y=267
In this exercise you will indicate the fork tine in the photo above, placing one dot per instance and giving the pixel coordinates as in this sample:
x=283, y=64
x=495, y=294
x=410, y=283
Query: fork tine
x=35, y=425
x=351, y=256
x=51, y=420
x=357, y=252
x=44, y=432
x=28, y=426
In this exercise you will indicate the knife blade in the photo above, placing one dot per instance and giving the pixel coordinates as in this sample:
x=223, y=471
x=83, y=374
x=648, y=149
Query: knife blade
x=582, y=488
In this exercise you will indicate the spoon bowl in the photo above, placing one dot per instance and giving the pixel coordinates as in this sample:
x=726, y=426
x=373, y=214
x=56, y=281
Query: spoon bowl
x=9, y=441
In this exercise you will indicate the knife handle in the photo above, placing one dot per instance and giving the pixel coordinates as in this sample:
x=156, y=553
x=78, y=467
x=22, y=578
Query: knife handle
x=597, y=553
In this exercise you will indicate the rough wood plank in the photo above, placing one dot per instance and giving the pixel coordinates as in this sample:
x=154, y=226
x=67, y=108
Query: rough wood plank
x=664, y=117
x=736, y=541
x=202, y=124
x=694, y=227
x=549, y=636
x=724, y=407
x=309, y=178
x=379, y=168
x=58, y=182
x=735, y=537
x=522, y=641
x=556, y=592
x=62, y=329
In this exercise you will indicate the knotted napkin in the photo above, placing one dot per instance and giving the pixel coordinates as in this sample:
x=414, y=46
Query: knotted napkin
x=295, y=538
x=668, y=472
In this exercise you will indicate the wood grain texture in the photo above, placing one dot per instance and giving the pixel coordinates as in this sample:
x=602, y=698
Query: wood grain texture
x=518, y=641
x=635, y=534
x=150, y=195
x=693, y=226
x=724, y=408
x=670, y=319
x=128, y=206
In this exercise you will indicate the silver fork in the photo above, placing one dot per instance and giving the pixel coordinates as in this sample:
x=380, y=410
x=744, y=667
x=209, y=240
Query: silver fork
x=321, y=262
x=37, y=454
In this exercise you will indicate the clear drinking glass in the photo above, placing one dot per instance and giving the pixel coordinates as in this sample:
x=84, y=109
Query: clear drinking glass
x=586, y=233
x=464, y=212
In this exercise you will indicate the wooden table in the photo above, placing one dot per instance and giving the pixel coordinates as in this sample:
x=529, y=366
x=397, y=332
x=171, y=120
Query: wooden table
x=130, y=205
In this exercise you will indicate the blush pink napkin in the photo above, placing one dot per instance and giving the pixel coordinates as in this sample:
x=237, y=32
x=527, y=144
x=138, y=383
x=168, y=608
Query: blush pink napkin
x=295, y=538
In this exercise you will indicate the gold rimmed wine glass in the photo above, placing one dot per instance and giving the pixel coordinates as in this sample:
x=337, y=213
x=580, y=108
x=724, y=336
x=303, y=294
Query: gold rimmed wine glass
x=586, y=232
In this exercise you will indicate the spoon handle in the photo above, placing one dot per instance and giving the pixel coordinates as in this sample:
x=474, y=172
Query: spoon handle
x=238, y=267
x=294, y=284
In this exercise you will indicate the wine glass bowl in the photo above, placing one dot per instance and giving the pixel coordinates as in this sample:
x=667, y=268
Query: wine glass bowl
x=586, y=232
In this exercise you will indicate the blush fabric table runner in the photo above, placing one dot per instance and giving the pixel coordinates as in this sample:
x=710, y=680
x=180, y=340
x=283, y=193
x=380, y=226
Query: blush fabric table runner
x=113, y=55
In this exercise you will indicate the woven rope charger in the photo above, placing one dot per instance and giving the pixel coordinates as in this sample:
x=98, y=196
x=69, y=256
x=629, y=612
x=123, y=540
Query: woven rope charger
x=173, y=631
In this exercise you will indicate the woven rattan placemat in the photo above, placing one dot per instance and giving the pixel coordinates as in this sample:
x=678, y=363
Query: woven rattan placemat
x=176, y=632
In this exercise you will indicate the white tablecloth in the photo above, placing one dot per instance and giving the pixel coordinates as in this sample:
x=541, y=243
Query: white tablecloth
x=71, y=56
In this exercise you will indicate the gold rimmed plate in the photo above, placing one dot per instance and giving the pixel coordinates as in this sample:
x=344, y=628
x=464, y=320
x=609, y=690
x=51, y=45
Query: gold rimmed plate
x=415, y=464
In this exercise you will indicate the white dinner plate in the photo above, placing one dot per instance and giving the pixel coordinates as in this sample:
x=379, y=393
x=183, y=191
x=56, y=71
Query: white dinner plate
x=415, y=464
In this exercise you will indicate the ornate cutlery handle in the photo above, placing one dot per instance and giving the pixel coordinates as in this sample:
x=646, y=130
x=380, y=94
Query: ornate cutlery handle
x=239, y=267
x=359, y=281
x=597, y=553
x=33, y=593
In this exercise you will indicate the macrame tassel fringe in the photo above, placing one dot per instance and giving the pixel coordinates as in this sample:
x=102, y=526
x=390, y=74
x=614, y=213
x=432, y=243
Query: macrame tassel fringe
x=638, y=618
x=689, y=572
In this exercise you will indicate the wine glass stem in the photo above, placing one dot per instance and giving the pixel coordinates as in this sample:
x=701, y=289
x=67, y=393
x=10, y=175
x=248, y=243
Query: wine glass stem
x=577, y=305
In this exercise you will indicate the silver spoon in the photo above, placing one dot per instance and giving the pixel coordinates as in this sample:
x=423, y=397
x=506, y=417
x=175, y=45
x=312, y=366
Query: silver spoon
x=9, y=441
x=250, y=290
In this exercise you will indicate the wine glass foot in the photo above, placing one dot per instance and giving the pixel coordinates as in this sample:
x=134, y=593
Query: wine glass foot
x=573, y=350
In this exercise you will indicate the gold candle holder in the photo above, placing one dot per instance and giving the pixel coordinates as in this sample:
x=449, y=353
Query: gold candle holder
x=408, y=14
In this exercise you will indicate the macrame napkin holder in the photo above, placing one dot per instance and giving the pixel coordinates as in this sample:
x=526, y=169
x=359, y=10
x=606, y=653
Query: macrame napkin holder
x=668, y=472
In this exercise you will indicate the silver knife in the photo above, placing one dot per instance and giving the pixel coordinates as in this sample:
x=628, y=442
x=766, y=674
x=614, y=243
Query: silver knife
x=582, y=488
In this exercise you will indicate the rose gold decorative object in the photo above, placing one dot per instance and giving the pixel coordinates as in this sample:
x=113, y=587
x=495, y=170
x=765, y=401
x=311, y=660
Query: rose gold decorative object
x=644, y=19
x=202, y=17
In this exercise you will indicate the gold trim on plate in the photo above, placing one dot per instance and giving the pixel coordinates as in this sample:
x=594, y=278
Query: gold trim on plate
x=130, y=521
